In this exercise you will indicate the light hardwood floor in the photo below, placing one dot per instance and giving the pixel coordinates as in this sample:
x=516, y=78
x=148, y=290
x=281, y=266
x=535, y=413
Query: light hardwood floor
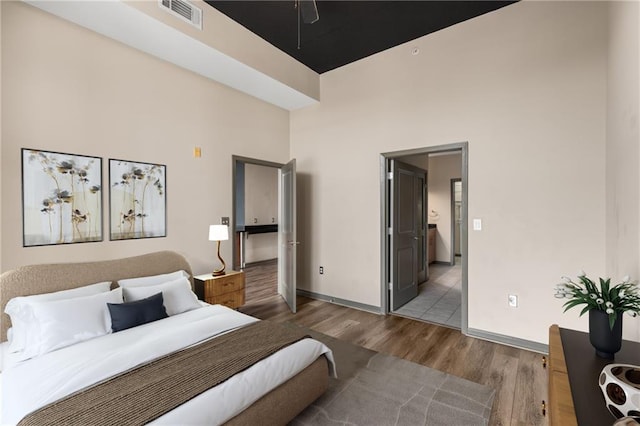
x=517, y=375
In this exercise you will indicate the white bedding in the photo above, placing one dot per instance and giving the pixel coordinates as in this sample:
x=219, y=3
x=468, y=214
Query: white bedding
x=31, y=384
x=4, y=348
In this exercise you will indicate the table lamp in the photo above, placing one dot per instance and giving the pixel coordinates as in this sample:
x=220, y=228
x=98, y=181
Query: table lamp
x=219, y=233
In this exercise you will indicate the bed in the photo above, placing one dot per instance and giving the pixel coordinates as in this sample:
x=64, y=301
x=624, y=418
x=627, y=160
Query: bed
x=271, y=390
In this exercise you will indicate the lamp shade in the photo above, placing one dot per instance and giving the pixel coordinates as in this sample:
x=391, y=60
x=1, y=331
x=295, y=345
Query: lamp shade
x=218, y=232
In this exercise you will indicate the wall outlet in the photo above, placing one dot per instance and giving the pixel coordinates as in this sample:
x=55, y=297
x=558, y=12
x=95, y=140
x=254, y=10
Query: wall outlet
x=321, y=270
x=513, y=300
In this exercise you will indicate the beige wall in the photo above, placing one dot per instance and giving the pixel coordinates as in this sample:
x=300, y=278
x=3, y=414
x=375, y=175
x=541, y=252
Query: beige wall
x=442, y=169
x=70, y=90
x=526, y=87
x=261, y=194
x=623, y=140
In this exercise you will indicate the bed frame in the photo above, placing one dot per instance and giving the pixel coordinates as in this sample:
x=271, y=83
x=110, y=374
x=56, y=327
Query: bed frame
x=279, y=406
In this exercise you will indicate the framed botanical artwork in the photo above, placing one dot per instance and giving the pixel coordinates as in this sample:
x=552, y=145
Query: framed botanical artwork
x=137, y=199
x=61, y=198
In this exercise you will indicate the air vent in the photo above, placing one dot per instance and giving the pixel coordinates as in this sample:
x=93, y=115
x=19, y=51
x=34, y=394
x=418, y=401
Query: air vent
x=183, y=10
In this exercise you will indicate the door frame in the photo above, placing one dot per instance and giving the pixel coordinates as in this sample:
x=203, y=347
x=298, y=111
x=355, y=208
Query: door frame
x=385, y=215
x=453, y=221
x=236, y=159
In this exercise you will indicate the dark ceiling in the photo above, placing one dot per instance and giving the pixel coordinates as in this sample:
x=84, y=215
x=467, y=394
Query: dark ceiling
x=348, y=30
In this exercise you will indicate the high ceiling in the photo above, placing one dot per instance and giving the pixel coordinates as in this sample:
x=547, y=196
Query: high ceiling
x=348, y=30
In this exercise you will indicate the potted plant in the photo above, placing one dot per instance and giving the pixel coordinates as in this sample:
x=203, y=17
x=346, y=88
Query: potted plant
x=605, y=304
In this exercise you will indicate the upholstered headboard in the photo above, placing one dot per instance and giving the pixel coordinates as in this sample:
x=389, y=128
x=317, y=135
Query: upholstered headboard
x=37, y=279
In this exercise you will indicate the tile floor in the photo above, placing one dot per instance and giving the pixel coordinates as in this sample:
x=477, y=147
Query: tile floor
x=439, y=298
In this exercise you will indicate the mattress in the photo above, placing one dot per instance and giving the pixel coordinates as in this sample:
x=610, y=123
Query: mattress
x=34, y=383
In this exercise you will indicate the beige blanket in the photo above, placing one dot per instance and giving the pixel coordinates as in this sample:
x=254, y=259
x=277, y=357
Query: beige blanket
x=147, y=392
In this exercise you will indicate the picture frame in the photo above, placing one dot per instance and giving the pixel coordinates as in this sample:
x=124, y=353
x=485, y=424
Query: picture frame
x=137, y=200
x=61, y=198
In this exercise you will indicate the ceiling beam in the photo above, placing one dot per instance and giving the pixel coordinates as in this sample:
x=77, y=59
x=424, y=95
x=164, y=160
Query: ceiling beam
x=129, y=25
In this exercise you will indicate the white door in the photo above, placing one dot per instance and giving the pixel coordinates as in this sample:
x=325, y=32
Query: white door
x=287, y=239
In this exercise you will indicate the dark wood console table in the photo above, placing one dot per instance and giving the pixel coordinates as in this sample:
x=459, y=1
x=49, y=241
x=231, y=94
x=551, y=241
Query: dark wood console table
x=570, y=350
x=260, y=229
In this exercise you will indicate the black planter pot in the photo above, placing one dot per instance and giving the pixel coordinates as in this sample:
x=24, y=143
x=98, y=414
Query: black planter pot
x=606, y=341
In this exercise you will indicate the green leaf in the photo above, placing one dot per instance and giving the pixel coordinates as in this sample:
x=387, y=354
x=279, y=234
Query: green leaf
x=613, y=294
x=590, y=286
x=585, y=310
x=570, y=304
x=586, y=281
x=574, y=302
x=604, y=285
x=612, y=319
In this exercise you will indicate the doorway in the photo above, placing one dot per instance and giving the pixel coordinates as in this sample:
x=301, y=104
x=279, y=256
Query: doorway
x=264, y=209
x=441, y=265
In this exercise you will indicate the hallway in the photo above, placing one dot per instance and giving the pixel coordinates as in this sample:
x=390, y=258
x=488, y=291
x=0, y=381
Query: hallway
x=439, y=298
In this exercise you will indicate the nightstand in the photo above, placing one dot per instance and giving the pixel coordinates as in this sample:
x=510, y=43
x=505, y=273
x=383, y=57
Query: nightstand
x=225, y=290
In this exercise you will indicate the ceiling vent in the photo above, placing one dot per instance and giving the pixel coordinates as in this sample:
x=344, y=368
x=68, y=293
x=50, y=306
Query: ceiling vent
x=183, y=10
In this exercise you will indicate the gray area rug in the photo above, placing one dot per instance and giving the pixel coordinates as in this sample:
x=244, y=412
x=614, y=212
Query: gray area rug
x=374, y=389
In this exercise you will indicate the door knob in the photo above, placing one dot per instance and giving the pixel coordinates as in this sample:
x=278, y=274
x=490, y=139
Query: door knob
x=293, y=243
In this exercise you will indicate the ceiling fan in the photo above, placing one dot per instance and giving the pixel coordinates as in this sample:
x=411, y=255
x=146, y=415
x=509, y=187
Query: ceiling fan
x=308, y=11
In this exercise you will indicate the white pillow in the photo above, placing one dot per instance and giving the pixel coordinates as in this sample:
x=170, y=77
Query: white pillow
x=177, y=295
x=153, y=279
x=65, y=322
x=19, y=309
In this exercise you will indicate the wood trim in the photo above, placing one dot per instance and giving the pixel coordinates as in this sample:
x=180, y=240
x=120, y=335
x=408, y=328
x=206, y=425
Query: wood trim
x=556, y=356
x=561, y=409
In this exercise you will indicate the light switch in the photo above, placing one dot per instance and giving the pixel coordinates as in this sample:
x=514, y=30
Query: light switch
x=477, y=224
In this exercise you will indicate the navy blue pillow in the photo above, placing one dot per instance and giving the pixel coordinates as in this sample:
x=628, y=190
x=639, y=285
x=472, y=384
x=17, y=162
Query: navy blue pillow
x=131, y=314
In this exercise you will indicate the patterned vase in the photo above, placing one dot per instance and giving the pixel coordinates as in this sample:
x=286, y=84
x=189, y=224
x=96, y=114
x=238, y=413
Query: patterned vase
x=606, y=341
